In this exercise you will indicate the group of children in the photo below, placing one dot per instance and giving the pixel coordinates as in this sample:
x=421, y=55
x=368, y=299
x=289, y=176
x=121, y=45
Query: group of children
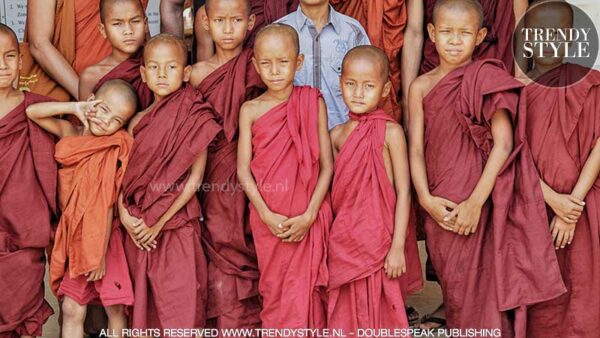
x=222, y=195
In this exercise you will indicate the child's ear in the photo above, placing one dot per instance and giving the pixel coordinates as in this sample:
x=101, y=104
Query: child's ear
x=204, y=16
x=20, y=62
x=102, y=30
x=481, y=34
x=387, y=87
x=299, y=61
x=255, y=64
x=143, y=73
x=431, y=32
x=187, y=73
x=251, y=21
x=146, y=26
x=92, y=97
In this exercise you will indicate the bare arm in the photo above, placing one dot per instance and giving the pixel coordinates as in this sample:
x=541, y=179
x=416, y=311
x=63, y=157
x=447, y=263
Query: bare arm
x=46, y=114
x=146, y=234
x=411, y=52
x=171, y=17
x=589, y=173
x=395, y=263
x=40, y=27
x=87, y=81
x=205, y=47
x=272, y=220
x=468, y=212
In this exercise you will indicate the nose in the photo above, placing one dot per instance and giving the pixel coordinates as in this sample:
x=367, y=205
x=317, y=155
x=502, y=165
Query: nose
x=162, y=73
x=3, y=63
x=274, y=69
x=455, y=38
x=228, y=28
x=128, y=29
x=359, y=92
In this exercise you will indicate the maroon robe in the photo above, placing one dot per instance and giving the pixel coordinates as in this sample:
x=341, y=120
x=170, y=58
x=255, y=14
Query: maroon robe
x=169, y=281
x=498, y=18
x=363, y=199
x=129, y=71
x=227, y=237
x=509, y=262
x=27, y=200
x=268, y=11
x=285, y=165
x=563, y=126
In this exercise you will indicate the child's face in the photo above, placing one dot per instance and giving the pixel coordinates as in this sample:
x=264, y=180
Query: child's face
x=164, y=69
x=113, y=113
x=125, y=26
x=276, y=61
x=10, y=60
x=456, y=34
x=549, y=17
x=227, y=21
x=363, y=85
x=313, y=2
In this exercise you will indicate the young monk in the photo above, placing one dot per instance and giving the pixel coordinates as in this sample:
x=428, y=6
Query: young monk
x=159, y=208
x=285, y=167
x=563, y=127
x=27, y=202
x=325, y=37
x=485, y=221
x=370, y=195
x=226, y=80
x=88, y=262
x=124, y=24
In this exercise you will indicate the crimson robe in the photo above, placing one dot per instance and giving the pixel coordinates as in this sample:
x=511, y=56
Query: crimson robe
x=285, y=165
x=266, y=12
x=363, y=199
x=27, y=201
x=129, y=71
x=509, y=262
x=227, y=237
x=498, y=18
x=384, y=21
x=563, y=126
x=170, y=281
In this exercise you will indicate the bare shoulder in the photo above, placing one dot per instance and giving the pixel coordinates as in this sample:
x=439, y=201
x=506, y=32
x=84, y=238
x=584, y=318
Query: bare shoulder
x=335, y=135
x=394, y=133
x=200, y=71
x=136, y=119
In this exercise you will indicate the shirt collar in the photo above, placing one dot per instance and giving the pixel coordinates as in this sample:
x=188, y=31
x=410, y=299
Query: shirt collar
x=334, y=19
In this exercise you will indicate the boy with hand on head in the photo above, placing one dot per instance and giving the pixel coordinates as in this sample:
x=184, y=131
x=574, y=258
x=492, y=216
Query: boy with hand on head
x=88, y=261
x=485, y=223
x=285, y=167
x=325, y=37
x=27, y=201
x=563, y=126
x=226, y=80
x=370, y=195
x=124, y=24
x=159, y=208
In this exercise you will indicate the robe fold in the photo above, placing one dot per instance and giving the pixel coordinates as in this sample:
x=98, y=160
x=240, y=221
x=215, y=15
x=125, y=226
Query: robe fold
x=563, y=126
x=27, y=201
x=169, y=281
x=509, y=262
x=89, y=181
x=129, y=71
x=384, y=22
x=360, y=295
x=498, y=18
x=227, y=237
x=285, y=165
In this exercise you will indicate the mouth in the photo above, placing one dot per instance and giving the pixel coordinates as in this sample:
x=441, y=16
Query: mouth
x=276, y=81
x=453, y=52
x=129, y=41
x=99, y=126
x=228, y=40
x=356, y=103
x=162, y=85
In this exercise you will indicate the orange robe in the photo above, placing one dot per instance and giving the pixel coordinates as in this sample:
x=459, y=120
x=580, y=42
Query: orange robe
x=384, y=21
x=89, y=181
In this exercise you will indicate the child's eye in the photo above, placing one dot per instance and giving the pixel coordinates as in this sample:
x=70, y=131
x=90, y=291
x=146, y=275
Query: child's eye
x=370, y=86
x=350, y=84
x=219, y=20
x=172, y=67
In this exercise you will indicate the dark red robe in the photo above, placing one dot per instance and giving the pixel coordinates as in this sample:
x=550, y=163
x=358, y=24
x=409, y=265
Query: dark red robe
x=268, y=11
x=563, y=126
x=129, y=71
x=170, y=281
x=360, y=295
x=499, y=19
x=27, y=201
x=285, y=165
x=509, y=262
x=227, y=237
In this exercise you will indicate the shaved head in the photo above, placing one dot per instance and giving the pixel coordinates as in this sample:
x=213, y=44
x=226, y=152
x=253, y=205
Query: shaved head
x=556, y=10
x=122, y=88
x=280, y=30
x=4, y=29
x=165, y=39
x=459, y=5
x=104, y=4
x=209, y=3
x=371, y=54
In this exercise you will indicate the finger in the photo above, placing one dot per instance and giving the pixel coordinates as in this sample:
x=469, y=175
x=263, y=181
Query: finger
x=576, y=200
x=558, y=240
x=449, y=203
x=571, y=235
x=451, y=215
x=564, y=239
x=555, y=232
x=445, y=227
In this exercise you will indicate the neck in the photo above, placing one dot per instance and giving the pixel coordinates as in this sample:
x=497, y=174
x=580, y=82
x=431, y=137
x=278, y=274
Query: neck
x=446, y=67
x=282, y=94
x=222, y=56
x=119, y=56
x=542, y=69
x=318, y=14
x=8, y=92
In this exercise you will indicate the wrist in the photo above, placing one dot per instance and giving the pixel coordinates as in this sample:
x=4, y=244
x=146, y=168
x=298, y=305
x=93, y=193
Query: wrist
x=425, y=199
x=311, y=215
x=477, y=200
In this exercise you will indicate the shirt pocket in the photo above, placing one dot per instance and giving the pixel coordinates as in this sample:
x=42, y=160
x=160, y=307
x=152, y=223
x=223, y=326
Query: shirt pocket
x=335, y=66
